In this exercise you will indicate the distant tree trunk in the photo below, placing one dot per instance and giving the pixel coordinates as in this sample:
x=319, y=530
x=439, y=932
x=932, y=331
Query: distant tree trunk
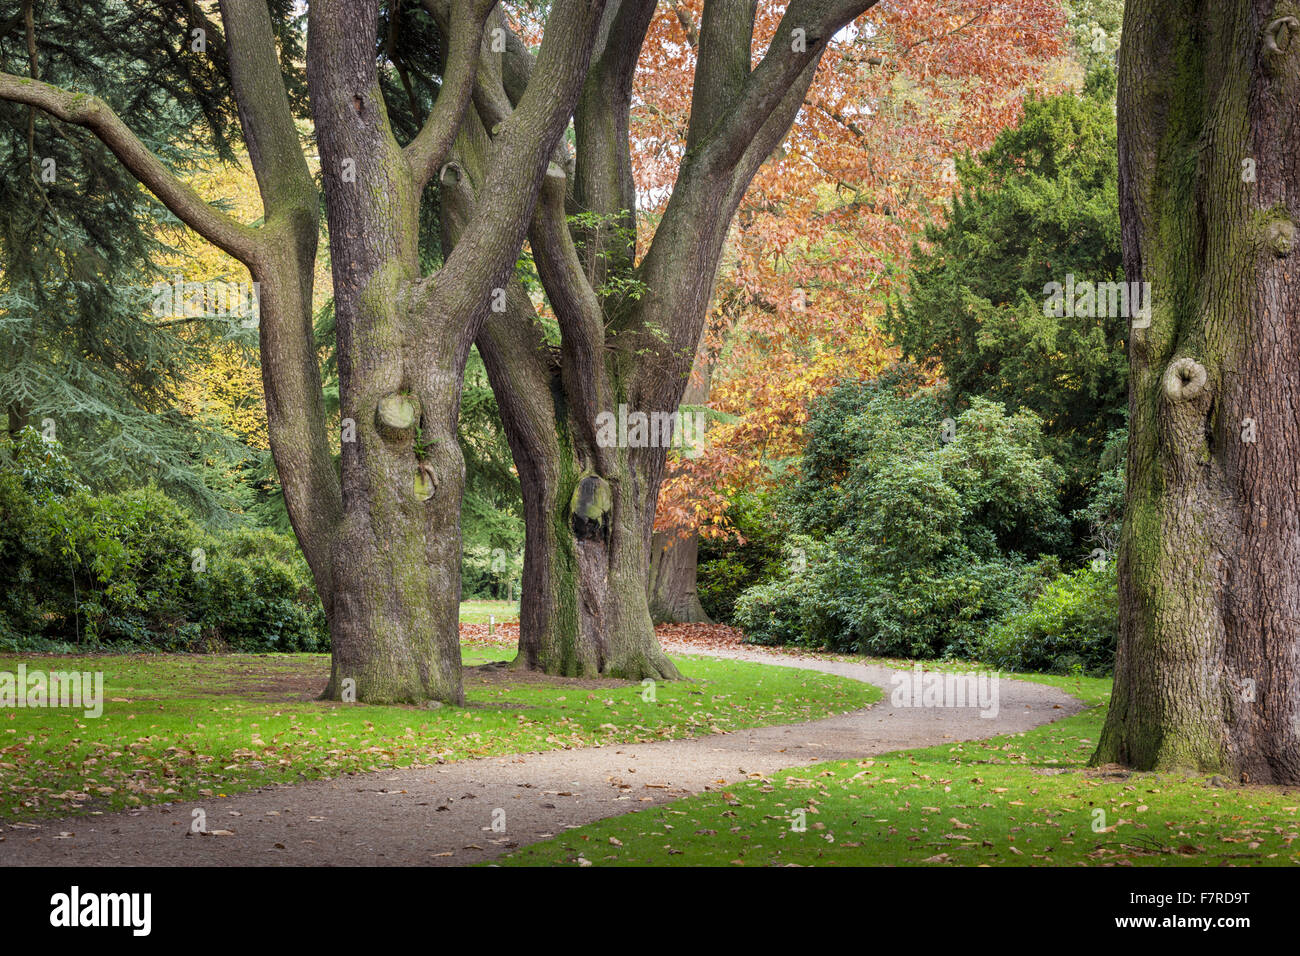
x=674, y=566
x=17, y=418
x=675, y=557
x=1207, y=673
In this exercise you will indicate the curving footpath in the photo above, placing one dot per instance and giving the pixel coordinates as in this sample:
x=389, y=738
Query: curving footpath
x=444, y=815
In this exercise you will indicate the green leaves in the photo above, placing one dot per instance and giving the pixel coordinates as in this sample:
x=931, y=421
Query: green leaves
x=1040, y=204
x=133, y=568
x=1071, y=627
x=908, y=543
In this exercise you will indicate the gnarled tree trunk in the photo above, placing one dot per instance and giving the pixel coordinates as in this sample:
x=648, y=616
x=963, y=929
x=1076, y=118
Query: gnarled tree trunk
x=396, y=556
x=384, y=548
x=585, y=606
x=1208, y=667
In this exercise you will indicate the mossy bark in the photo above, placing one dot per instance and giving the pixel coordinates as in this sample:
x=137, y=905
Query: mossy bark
x=396, y=553
x=1208, y=666
x=384, y=542
x=584, y=610
x=632, y=341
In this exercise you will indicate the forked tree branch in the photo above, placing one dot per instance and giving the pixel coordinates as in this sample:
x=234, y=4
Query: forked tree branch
x=464, y=27
x=788, y=55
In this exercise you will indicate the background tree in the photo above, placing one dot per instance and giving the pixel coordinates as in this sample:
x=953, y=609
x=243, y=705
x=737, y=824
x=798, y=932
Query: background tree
x=81, y=247
x=628, y=328
x=1206, y=672
x=821, y=240
x=1036, y=207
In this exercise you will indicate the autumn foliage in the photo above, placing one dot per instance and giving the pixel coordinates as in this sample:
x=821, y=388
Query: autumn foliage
x=823, y=235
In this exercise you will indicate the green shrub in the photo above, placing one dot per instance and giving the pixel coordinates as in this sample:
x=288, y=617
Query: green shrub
x=1103, y=514
x=1070, y=628
x=125, y=562
x=926, y=611
x=936, y=610
x=913, y=528
x=133, y=569
x=39, y=465
x=729, y=566
x=791, y=608
x=24, y=550
x=257, y=595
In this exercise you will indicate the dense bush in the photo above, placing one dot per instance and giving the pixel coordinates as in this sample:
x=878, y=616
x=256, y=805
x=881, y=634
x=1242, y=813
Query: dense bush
x=914, y=528
x=120, y=568
x=1103, y=513
x=258, y=595
x=730, y=566
x=24, y=544
x=134, y=569
x=789, y=607
x=1070, y=628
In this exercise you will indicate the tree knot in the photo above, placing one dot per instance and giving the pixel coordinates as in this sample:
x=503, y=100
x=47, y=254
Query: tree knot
x=451, y=173
x=1281, y=237
x=1277, y=35
x=425, y=483
x=397, y=416
x=589, y=508
x=1184, y=380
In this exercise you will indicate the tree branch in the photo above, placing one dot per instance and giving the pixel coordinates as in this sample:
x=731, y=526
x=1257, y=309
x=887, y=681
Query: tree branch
x=727, y=138
x=603, y=182
x=519, y=156
x=274, y=148
x=577, y=308
x=464, y=29
x=80, y=109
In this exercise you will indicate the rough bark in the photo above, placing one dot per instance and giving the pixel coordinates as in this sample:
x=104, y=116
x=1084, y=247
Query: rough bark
x=403, y=340
x=1208, y=666
x=394, y=630
x=674, y=565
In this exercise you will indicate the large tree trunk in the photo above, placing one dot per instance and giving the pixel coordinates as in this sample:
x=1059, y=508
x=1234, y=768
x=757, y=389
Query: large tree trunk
x=590, y=505
x=589, y=538
x=583, y=608
x=1207, y=673
x=396, y=557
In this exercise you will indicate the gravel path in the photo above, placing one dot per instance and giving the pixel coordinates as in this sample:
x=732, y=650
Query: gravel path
x=444, y=815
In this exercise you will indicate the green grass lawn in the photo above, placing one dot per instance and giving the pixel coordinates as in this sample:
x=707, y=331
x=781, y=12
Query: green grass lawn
x=1022, y=799
x=185, y=727
x=477, y=612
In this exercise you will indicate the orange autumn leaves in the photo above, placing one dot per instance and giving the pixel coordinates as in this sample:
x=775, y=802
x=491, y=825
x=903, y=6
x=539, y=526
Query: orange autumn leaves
x=824, y=233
